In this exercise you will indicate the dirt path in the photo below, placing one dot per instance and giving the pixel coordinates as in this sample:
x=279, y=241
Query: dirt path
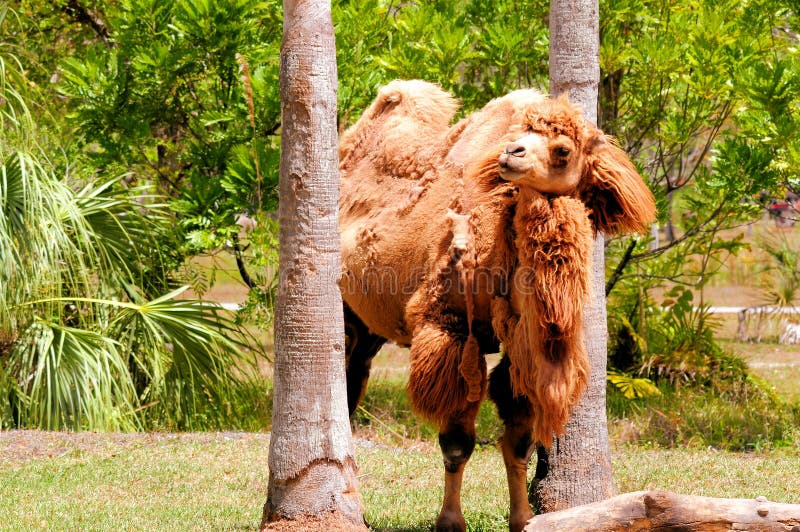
x=24, y=445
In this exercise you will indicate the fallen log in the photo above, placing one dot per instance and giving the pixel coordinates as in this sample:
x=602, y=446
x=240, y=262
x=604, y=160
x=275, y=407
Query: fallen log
x=664, y=511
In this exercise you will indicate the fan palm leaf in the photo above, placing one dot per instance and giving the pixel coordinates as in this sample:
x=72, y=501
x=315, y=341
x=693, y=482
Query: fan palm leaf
x=70, y=378
x=84, y=341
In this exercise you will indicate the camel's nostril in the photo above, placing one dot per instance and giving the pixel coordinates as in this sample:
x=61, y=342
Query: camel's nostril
x=561, y=151
x=517, y=150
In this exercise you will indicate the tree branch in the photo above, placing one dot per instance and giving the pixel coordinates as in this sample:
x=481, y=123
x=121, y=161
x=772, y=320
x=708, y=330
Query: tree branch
x=626, y=258
x=688, y=234
x=661, y=510
x=84, y=15
x=243, y=273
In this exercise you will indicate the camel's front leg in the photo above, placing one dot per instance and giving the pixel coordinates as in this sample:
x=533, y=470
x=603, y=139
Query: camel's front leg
x=517, y=444
x=440, y=392
x=457, y=441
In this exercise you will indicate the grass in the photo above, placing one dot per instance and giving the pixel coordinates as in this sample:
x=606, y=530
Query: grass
x=62, y=481
x=777, y=364
x=141, y=483
x=709, y=473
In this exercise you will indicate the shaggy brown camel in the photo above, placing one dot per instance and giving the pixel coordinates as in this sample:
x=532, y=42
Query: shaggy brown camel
x=456, y=238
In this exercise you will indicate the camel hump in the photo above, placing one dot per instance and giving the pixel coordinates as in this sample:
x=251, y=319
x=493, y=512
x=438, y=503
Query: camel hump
x=424, y=102
x=408, y=111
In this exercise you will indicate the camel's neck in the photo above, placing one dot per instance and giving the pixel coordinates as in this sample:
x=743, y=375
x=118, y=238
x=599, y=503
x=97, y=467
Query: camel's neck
x=528, y=195
x=532, y=208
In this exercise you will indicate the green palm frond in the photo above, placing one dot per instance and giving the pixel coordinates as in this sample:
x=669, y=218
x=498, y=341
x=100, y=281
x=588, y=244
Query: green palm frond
x=184, y=346
x=84, y=343
x=632, y=387
x=179, y=357
x=71, y=378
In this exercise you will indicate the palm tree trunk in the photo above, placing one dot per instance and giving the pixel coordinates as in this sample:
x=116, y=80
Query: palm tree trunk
x=577, y=470
x=311, y=460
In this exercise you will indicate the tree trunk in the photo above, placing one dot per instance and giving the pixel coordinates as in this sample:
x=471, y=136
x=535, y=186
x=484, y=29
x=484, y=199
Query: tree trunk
x=661, y=510
x=311, y=460
x=577, y=470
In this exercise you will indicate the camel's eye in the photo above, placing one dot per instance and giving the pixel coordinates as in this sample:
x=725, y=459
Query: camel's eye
x=561, y=151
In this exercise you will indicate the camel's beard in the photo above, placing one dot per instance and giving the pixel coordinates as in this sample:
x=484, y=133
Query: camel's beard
x=543, y=338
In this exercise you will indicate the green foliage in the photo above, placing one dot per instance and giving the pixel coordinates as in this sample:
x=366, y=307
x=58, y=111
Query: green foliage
x=704, y=97
x=186, y=98
x=478, y=50
x=780, y=277
x=632, y=387
x=86, y=342
x=673, y=341
x=743, y=416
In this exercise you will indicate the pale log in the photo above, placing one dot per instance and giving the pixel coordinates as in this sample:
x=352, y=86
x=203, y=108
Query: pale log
x=662, y=511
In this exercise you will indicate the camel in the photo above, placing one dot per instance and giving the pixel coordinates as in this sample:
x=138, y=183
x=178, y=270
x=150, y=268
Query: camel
x=459, y=238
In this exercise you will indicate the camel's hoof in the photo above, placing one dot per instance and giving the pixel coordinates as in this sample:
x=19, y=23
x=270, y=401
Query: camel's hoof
x=450, y=522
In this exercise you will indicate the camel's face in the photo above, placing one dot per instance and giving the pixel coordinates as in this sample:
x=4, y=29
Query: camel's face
x=547, y=161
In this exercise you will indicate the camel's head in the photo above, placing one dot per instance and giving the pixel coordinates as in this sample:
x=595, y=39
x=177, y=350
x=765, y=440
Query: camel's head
x=547, y=152
x=553, y=150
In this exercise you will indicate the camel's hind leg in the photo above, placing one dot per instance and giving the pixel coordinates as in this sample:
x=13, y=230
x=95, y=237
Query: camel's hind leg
x=360, y=348
x=440, y=392
x=517, y=444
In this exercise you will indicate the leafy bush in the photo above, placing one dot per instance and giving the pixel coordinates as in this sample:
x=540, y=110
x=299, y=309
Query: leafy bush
x=87, y=341
x=705, y=396
x=745, y=416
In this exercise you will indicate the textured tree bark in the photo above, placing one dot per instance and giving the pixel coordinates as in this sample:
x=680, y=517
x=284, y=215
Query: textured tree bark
x=577, y=470
x=660, y=510
x=311, y=459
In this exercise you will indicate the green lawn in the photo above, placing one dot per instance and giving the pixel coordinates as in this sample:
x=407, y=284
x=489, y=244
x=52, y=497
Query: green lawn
x=219, y=481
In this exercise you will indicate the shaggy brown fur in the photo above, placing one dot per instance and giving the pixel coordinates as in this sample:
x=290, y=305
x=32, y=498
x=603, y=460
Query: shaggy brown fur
x=542, y=329
x=455, y=238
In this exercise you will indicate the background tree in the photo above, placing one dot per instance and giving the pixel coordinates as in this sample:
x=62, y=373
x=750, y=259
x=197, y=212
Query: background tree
x=577, y=470
x=311, y=459
x=93, y=335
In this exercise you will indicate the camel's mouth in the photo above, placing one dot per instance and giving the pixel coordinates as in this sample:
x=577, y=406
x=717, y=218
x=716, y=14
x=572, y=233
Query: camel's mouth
x=510, y=175
x=513, y=167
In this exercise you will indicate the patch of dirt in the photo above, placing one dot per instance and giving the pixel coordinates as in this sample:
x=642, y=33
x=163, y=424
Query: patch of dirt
x=26, y=445
x=333, y=522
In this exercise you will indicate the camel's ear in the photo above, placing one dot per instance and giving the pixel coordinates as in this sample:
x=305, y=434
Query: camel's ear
x=613, y=190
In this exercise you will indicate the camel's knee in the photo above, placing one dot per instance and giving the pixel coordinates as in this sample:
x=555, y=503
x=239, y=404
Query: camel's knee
x=516, y=413
x=520, y=443
x=457, y=444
